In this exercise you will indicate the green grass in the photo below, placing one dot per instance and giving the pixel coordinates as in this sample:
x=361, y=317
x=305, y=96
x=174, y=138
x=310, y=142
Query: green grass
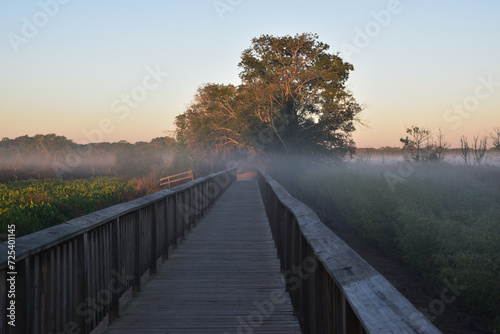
x=33, y=205
x=443, y=221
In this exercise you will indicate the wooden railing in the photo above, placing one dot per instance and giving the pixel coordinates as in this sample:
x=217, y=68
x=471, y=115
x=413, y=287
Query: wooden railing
x=172, y=179
x=76, y=276
x=333, y=290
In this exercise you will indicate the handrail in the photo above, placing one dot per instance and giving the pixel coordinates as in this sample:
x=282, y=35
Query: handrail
x=167, y=181
x=71, y=277
x=333, y=290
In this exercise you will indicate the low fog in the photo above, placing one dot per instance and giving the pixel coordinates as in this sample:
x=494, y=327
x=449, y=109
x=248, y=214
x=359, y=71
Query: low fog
x=40, y=157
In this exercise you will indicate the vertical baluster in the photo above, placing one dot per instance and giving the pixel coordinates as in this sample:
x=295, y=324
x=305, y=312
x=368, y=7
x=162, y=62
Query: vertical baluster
x=166, y=226
x=137, y=253
x=115, y=287
x=153, y=236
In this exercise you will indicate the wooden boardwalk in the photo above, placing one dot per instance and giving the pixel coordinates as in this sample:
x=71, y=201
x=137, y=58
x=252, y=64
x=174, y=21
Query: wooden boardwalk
x=224, y=278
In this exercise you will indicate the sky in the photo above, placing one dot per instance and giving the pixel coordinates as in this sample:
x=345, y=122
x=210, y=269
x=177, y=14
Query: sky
x=123, y=70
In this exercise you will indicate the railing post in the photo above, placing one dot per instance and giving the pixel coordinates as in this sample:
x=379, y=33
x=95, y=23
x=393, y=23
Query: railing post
x=353, y=325
x=308, y=283
x=211, y=192
x=45, y=291
x=154, y=236
x=61, y=300
x=185, y=218
x=137, y=254
x=289, y=220
x=200, y=201
x=175, y=217
x=207, y=197
x=280, y=231
x=82, y=283
x=72, y=266
x=319, y=298
x=166, y=226
x=274, y=218
x=114, y=310
x=191, y=208
x=3, y=300
x=295, y=264
x=92, y=292
x=303, y=293
x=195, y=204
x=22, y=299
x=179, y=220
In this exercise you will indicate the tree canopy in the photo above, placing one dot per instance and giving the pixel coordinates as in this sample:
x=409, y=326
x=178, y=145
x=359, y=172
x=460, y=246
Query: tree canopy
x=293, y=98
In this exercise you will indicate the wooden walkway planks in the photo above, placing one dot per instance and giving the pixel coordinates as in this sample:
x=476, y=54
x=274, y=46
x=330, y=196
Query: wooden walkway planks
x=224, y=278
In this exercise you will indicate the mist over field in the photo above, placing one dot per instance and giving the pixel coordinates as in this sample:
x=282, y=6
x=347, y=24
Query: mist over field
x=36, y=165
x=453, y=157
x=52, y=156
x=442, y=219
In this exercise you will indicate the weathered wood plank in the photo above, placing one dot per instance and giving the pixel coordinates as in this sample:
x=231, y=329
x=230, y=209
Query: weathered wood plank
x=224, y=278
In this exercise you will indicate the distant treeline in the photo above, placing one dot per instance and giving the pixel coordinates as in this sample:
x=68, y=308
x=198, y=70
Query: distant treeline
x=394, y=150
x=53, y=156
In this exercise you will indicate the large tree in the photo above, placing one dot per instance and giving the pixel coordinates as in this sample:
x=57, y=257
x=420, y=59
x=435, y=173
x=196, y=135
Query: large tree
x=213, y=120
x=293, y=98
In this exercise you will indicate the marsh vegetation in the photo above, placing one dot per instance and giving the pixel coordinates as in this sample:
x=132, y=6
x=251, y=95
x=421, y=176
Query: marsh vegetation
x=442, y=220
